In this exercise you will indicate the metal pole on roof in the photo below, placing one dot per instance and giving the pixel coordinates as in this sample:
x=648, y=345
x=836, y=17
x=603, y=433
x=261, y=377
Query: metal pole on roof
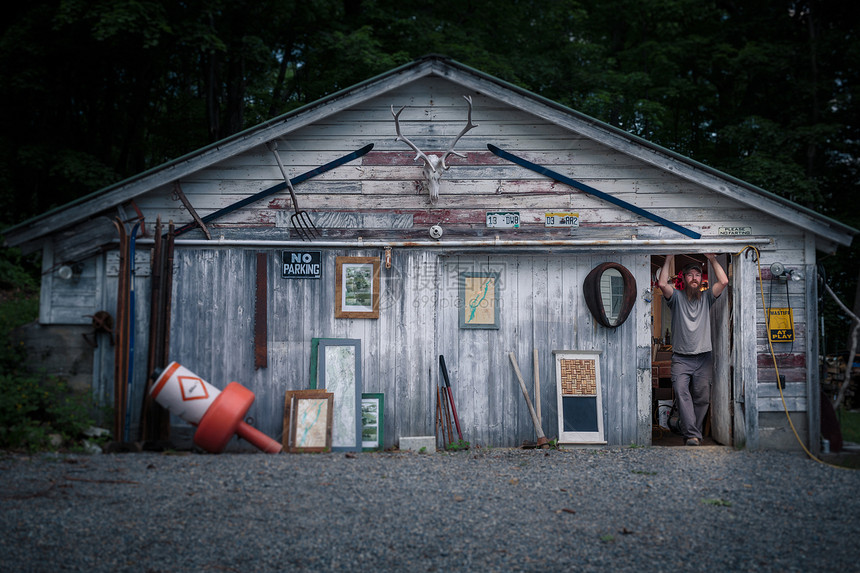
x=701, y=245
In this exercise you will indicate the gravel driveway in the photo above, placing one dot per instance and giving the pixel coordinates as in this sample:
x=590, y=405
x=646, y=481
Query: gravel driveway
x=630, y=509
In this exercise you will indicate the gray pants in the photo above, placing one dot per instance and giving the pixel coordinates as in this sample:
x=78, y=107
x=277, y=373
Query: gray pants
x=691, y=381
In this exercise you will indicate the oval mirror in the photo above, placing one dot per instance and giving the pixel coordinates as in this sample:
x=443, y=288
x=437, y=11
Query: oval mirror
x=610, y=293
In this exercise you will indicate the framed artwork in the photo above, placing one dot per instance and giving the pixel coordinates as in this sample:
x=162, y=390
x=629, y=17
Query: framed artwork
x=479, y=300
x=314, y=365
x=307, y=421
x=580, y=404
x=356, y=287
x=372, y=418
x=339, y=372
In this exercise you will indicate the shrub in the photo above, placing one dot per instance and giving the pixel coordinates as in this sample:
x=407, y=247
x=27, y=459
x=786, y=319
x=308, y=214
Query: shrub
x=32, y=407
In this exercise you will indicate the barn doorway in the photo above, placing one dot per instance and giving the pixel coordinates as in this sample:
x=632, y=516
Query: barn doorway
x=718, y=422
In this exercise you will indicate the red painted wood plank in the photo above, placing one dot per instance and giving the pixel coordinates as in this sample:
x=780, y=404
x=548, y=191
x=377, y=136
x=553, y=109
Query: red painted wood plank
x=793, y=360
x=408, y=158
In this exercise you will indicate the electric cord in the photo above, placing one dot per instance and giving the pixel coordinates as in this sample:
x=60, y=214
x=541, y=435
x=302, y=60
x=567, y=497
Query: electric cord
x=776, y=367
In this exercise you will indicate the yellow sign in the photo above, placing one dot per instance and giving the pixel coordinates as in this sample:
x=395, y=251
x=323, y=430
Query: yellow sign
x=781, y=324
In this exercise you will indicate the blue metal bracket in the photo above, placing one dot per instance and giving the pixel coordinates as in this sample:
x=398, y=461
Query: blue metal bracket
x=592, y=191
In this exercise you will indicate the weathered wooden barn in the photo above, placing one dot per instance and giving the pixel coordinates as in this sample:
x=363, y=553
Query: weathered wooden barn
x=534, y=198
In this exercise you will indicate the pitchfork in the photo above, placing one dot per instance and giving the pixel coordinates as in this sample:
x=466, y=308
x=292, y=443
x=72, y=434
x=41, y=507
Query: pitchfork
x=301, y=221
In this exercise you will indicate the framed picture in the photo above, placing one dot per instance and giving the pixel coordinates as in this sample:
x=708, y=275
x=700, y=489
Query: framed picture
x=356, y=287
x=479, y=300
x=372, y=418
x=307, y=421
x=315, y=363
x=339, y=372
x=580, y=402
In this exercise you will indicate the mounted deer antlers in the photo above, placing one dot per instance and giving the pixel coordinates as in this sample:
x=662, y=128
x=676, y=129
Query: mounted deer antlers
x=433, y=164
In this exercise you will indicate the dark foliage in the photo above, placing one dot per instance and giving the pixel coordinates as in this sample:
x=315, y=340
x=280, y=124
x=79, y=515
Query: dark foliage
x=96, y=91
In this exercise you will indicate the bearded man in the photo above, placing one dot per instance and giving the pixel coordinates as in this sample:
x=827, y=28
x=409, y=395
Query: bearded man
x=692, y=363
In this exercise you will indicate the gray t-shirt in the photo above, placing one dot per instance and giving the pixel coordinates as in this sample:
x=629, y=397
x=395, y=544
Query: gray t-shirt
x=691, y=322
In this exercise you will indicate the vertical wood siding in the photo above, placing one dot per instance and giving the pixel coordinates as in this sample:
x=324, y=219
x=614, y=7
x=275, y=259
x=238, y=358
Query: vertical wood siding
x=541, y=307
x=745, y=380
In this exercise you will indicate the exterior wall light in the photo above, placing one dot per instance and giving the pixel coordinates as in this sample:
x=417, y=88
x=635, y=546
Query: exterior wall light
x=779, y=271
x=67, y=272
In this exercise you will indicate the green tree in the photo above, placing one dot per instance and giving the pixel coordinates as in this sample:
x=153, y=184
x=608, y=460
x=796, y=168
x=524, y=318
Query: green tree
x=765, y=90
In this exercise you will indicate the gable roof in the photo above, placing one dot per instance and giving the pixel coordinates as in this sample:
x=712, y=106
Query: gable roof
x=36, y=228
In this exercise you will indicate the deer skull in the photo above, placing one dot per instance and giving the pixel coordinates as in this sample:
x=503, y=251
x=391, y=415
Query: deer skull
x=434, y=165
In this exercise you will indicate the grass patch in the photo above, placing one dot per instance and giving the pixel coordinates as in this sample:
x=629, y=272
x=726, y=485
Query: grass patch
x=849, y=422
x=457, y=446
x=717, y=502
x=843, y=460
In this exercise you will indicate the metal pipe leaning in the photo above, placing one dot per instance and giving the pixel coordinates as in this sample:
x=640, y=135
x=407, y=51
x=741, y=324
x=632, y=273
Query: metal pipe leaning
x=444, y=370
x=542, y=441
x=537, y=384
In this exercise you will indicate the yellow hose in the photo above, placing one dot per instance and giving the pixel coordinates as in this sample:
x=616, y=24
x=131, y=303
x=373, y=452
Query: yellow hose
x=776, y=368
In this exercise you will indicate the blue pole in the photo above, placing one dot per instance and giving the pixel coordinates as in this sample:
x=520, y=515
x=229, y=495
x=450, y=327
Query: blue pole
x=127, y=428
x=592, y=191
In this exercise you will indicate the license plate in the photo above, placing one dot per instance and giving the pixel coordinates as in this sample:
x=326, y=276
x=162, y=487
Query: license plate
x=562, y=220
x=503, y=220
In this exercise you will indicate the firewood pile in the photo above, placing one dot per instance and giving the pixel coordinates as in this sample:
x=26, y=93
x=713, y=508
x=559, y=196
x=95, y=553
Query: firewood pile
x=834, y=378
